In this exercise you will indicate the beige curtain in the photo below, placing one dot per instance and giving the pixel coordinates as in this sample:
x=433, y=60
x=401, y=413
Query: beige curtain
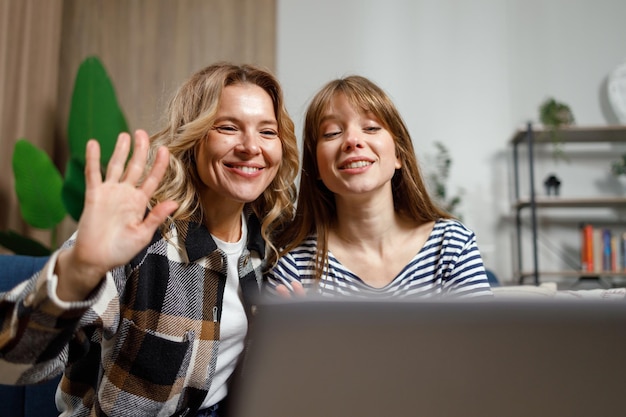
x=150, y=46
x=30, y=36
x=147, y=46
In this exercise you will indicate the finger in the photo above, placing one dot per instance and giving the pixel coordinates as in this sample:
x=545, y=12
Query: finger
x=137, y=164
x=298, y=288
x=158, y=214
x=154, y=177
x=93, y=176
x=115, y=168
x=283, y=291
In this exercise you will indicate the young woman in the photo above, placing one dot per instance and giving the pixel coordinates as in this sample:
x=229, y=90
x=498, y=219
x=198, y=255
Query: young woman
x=365, y=224
x=152, y=322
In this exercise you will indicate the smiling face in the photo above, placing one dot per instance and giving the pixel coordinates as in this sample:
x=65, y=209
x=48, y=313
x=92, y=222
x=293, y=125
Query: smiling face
x=355, y=153
x=242, y=152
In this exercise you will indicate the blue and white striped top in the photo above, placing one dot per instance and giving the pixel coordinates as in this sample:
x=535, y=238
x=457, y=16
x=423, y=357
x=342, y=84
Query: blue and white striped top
x=449, y=264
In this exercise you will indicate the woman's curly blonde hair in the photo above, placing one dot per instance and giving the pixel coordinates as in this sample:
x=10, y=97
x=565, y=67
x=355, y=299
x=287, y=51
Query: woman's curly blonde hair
x=190, y=116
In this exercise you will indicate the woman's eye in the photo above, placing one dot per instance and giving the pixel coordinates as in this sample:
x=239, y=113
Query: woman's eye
x=331, y=134
x=269, y=133
x=226, y=129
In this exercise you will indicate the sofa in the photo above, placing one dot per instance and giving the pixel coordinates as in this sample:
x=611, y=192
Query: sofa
x=549, y=290
x=31, y=400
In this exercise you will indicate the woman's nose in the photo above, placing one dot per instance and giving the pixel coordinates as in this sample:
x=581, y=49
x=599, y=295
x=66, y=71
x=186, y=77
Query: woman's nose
x=250, y=142
x=352, y=141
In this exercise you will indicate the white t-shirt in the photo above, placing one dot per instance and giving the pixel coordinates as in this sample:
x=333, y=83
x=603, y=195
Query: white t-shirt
x=234, y=323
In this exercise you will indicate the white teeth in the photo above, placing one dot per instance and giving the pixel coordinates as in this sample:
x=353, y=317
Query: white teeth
x=249, y=170
x=357, y=164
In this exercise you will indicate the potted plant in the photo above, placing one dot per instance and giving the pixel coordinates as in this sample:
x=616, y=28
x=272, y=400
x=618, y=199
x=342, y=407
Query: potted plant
x=619, y=167
x=438, y=179
x=45, y=196
x=554, y=115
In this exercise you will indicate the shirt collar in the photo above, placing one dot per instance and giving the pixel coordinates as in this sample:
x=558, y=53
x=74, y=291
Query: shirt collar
x=199, y=242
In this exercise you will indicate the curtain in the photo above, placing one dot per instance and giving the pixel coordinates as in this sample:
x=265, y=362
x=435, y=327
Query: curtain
x=30, y=35
x=148, y=47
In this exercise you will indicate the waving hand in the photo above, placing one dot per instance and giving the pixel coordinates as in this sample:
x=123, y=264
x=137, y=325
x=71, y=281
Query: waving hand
x=113, y=226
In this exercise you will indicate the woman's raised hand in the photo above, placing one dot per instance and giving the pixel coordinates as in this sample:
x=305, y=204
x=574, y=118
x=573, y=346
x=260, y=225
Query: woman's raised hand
x=297, y=290
x=114, y=225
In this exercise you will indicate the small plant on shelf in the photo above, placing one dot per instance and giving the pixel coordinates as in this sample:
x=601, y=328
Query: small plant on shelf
x=555, y=115
x=438, y=180
x=619, y=167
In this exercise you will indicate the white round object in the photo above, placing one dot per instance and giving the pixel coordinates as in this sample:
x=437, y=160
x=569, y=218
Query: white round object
x=616, y=85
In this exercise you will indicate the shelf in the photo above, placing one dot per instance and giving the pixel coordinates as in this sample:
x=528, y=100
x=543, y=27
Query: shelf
x=529, y=136
x=574, y=134
x=560, y=202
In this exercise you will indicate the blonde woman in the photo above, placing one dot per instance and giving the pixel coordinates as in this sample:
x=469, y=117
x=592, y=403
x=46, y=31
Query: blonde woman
x=146, y=308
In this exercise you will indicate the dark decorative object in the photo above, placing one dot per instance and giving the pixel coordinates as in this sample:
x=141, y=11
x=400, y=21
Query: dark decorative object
x=552, y=184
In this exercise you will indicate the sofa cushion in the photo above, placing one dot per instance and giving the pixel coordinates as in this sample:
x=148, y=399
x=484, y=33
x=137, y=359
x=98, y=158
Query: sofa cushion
x=31, y=400
x=17, y=268
x=549, y=290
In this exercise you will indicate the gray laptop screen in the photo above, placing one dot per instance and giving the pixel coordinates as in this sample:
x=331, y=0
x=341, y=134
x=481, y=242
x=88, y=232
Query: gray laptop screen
x=445, y=358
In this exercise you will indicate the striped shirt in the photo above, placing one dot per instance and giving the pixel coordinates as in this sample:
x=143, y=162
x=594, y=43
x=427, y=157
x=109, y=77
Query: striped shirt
x=449, y=264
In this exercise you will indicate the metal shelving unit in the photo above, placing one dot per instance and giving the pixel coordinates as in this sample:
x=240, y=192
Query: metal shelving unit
x=529, y=136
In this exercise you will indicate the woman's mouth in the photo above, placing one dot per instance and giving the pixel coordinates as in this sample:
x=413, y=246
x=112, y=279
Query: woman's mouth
x=356, y=164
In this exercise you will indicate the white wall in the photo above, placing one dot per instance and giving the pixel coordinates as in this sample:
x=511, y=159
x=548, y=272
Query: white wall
x=464, y=72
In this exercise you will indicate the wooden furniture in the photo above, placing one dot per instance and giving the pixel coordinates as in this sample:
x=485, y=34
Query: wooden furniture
x=528, y=137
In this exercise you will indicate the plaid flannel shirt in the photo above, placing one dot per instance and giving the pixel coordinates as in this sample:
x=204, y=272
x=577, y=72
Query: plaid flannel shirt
x=146, y=340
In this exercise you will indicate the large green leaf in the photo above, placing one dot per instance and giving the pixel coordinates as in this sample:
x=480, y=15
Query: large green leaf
x=74, y=187
x=38, y=186
x=94, y=114
x=21, y=245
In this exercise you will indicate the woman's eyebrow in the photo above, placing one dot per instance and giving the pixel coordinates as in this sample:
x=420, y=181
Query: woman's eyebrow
x=237, y=120
x=327, y=117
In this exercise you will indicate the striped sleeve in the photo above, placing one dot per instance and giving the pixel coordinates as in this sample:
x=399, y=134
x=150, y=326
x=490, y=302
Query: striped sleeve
x=467, y=276
x=297, y=265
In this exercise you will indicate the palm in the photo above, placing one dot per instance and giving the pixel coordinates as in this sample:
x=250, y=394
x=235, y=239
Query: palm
x=111, y=224
x=114, y=227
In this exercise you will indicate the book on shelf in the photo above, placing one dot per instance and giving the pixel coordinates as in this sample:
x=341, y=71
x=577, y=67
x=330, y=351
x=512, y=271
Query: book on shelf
x=602, y=249
x=615, y=252
x=587, y=260
x=597, y=248
x=623, y=249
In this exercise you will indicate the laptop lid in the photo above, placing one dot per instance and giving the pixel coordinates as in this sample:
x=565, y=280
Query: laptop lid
x=445, y=358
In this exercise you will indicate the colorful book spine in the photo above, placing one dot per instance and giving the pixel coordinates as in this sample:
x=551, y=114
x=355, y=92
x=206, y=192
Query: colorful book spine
x=615, y=253
x=586, y=250
x=606, y=250
x=597, y=249
x=602, y=249
x=623, y=267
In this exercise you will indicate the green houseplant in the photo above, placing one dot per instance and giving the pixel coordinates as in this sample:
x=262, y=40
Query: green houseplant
x=619, y=167
x=45, y=196
x=438, y=179
x=554, y=115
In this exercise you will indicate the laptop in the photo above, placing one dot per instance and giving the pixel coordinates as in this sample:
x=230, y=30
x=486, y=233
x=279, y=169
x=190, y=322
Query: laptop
x=371, y=358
